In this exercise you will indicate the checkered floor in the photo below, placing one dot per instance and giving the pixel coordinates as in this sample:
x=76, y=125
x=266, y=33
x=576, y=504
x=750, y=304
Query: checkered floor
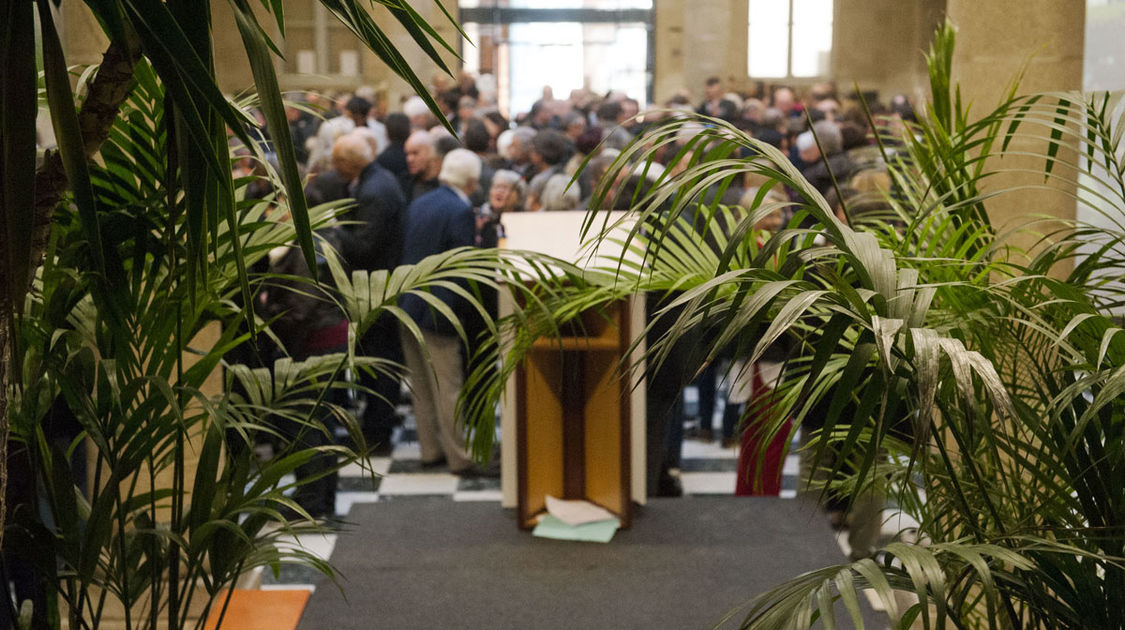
x=707, y=469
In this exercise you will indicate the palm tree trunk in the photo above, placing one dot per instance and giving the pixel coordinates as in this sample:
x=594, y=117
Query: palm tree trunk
x=5, y=367
x=107, y=91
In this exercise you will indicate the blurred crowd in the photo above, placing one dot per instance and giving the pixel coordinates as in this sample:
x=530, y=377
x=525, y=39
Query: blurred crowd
x=421, y=186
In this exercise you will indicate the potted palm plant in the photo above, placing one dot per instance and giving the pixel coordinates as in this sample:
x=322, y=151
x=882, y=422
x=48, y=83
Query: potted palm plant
x=144, y=500
x=975, y=383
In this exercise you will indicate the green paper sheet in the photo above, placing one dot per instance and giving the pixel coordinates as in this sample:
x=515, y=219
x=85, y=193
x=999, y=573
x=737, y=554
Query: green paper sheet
x=598, y=531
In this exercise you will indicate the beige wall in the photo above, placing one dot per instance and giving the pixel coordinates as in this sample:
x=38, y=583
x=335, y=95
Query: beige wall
x=879, y=44
x=696, y=39
x=876, y=43
x=81, y=34
x=995, y=40
x=236, y=75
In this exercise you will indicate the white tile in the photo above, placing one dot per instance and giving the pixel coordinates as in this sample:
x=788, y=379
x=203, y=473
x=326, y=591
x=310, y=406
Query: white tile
x=320, y=545
x=694, y=449
x=407, y=450
x=419, y=484
x=894, y=522
x=709, y=482
x=478, y=495
x=787, y=494
x=792, y=466
x=345, y=500
x=380, y=465
x=287, y=482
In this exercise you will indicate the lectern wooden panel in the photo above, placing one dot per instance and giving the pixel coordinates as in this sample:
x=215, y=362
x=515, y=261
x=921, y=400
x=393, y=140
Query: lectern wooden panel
x=573, y=418
x=573, y=426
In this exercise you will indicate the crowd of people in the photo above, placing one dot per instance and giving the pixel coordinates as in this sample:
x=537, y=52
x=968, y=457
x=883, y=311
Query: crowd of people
x=421, y=187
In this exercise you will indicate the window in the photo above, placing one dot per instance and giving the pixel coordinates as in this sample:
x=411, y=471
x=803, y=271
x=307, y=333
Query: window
x=564, y=44
x=789, y=39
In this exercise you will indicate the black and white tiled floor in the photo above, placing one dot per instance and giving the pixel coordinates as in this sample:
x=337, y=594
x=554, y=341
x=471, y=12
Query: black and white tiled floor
x=707, y=469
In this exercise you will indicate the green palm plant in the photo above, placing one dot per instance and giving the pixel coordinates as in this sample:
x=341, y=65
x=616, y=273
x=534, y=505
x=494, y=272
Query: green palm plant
x=975, y=383
x=175, y=39
x=138, y=534
x=144, y=534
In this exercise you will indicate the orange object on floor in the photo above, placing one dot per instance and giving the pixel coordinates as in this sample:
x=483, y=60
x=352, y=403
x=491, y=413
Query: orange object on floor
x=260, y=610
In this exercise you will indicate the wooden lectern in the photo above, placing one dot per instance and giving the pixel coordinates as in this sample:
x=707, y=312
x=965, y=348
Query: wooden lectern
x=572, y=423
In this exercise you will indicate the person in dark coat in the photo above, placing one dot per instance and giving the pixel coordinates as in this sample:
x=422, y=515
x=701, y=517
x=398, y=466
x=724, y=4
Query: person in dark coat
x=832, y=164
x=393, y=158
x=325, y=187
x=439, y=221
x=370, y=238
x=715, y=105
x=308, y=322
x=423, y=165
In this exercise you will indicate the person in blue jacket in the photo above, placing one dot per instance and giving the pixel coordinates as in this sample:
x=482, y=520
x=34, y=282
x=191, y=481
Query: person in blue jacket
x=438, y=221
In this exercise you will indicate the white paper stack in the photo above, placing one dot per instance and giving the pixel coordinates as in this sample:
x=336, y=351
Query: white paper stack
x=576, y=520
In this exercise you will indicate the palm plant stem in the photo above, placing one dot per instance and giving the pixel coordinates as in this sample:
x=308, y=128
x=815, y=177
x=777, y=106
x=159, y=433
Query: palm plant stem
x=177, y=494
x=7, y=324
x=154, y=553
x=107, y=92
x=226, y=601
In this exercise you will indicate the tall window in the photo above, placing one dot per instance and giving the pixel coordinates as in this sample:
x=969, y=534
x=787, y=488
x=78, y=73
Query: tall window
x=789, y=39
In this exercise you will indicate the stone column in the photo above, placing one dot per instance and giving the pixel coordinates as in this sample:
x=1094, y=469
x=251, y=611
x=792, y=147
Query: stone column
x=994, y=41
x=382, y=78
x=880, y=45
x=696, y=39
x=669, y=40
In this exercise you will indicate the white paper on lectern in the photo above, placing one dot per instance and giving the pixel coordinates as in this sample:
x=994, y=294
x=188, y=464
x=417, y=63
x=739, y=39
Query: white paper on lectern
x=577, y=512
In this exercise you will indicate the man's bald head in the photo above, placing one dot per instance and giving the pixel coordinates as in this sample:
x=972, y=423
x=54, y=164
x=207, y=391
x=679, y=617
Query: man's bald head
x=351, y=154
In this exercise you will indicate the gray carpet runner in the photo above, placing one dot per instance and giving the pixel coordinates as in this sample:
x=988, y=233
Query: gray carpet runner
x=428, y=562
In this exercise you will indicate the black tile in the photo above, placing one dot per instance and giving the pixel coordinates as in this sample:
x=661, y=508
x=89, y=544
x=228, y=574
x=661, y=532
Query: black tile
x=383, y=498
x=407, y=435
x=414, y=466
x=358, y=484
x=293, y=574
x=708, y=465
x=477, y=484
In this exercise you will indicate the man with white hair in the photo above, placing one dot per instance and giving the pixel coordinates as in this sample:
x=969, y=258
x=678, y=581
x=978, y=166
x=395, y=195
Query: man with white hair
x=439, y=221
x=822, y=149
x=357, y=115
x=370, y=238
x=419, y=113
